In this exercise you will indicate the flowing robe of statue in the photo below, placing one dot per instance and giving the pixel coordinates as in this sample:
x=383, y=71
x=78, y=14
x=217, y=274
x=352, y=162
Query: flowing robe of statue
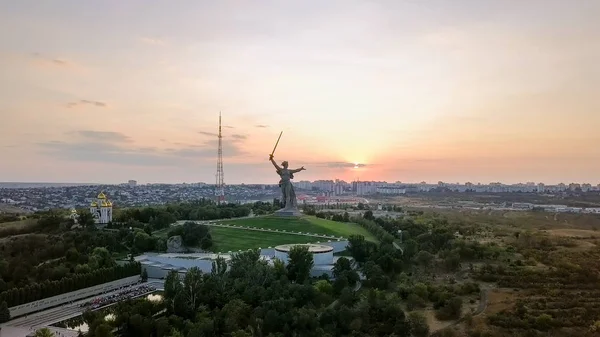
x=285, y=183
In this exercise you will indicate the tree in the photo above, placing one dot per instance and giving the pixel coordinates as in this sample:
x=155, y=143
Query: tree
x=300, y=263
x=172, y=285
x=418, y=324
x=358, y=248
x=341, y=265
x=144, y=275
x=43, y=332
x=4, y=312
x=85, y=218
x=235, y=316
x=424, y=258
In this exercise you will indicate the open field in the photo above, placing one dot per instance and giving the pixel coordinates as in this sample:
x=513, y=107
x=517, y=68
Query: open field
x=574, y=233
x=231, y=239
x=6, y=208
x=304, y=224
x=17, y=224
x=591, y=199
x=515, y=220
x=545, y=283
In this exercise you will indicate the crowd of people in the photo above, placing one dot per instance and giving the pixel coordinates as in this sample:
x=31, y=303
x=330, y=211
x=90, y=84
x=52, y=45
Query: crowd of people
x=127, y=293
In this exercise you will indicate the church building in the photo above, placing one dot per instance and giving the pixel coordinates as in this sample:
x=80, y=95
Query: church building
x=101, y=209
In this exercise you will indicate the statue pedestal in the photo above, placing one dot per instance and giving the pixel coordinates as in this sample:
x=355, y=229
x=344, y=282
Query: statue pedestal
x=288, y=212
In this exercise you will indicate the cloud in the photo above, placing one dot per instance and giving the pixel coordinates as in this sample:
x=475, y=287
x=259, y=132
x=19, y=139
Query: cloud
x=104, y=136
x=50, y=61
x=234, y=137
x=152, y=41
x=239, y=137
x=339, y=164
x=118, y=148
x=86, y=102
x=228, y=127
x=261, y=126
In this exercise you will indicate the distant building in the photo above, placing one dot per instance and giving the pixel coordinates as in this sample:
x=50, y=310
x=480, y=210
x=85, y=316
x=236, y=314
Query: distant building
x=101, y=209
x=132, y=183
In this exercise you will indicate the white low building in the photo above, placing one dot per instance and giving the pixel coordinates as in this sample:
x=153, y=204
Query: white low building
x=159, y=265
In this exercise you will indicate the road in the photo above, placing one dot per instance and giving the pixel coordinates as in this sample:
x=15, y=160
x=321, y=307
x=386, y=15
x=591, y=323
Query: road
x=66, y=311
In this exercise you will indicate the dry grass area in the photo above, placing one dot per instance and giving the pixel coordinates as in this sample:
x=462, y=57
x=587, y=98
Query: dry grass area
x=15, y=224
x=500, y=299
x=6, y=208
x=434, y=323
x=574, y=233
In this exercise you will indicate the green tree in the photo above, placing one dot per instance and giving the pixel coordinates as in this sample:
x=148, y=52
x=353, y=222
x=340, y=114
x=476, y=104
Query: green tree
x=235, y=316
x=424, y=258
x=300, y=263
x=43, y=332
x=4, y=312
x=85, y=218
x=418, y=324
x=172, y=285
x=341, y=265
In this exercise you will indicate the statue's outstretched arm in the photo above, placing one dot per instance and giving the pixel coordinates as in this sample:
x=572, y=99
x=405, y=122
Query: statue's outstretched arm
x=298, y=170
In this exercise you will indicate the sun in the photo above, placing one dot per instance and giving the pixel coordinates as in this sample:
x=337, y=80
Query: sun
x=356, y=165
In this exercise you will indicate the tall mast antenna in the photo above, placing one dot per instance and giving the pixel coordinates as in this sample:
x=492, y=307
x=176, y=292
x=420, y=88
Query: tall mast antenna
x=220, y=184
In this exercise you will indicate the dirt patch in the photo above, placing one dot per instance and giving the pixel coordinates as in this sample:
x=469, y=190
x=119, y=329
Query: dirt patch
x=574, y=233
x=434, y=323
x=500, y=299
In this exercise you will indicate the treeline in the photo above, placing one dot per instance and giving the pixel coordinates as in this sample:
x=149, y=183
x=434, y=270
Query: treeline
x=263, y=208
x=163, y=216
x=34, y=258
x=249, y=297
x=38, y=291
x=373, y=228
x=193, y=235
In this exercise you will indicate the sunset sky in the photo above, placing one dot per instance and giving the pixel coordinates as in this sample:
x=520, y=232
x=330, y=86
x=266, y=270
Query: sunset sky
x=461, y=90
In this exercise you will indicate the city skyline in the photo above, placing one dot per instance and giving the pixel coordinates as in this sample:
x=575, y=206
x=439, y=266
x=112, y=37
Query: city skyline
x=469, y=92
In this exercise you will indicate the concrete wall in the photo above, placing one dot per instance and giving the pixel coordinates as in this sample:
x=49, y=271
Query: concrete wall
x=49, y=302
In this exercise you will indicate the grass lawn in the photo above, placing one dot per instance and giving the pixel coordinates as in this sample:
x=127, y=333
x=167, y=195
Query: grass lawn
x=304, y=224
x=231, y=239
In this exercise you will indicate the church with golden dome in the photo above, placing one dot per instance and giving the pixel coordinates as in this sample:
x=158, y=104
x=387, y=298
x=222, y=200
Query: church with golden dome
x=101, y=209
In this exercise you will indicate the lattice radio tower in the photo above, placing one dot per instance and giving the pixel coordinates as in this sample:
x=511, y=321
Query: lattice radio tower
x=220, y=185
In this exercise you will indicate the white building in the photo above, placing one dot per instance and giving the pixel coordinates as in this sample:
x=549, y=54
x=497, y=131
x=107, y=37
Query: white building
x=101, y=209
x=365, y=188
x=159, y=265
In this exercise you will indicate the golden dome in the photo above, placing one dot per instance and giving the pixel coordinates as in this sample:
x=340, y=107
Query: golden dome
x=73, y=210
x=101, y=195
x=109, y=203
x=94, y=204
x=103, y=203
